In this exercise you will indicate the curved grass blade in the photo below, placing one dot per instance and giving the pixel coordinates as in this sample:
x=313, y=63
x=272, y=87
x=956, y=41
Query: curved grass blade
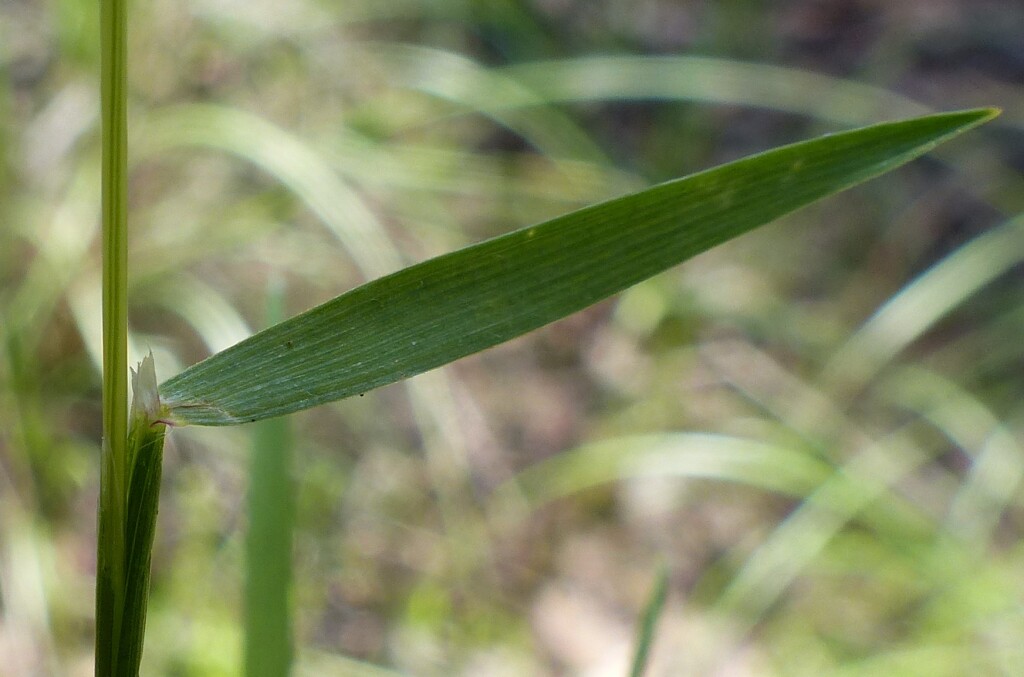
x=291, y=162
x=498, y=92
x=451, y=306
x=707, y=79
x=722, y=458
x=916, y=308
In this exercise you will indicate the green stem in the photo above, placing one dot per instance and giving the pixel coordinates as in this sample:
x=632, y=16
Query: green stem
x=268, y=646
x=115, y=227
x=652, y=612
x=268, y=640
x=110, y=573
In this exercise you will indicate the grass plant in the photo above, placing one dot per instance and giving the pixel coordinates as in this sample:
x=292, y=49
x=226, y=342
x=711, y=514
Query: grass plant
x=859, y=449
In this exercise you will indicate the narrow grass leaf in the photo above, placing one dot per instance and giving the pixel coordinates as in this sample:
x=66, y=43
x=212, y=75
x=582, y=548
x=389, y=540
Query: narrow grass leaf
x=867, y=479
x=722, y=458
x=268, y=543
x=909, y=314
x=648, y=622
x=535, y=86
x=268, y=551
x=706, y=79
x=437, y=311
x=292, y=162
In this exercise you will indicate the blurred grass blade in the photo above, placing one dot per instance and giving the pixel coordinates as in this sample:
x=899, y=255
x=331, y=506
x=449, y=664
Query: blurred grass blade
x=282, y=155
x=996, y=454
x=462, y=81
x=268, y=545
x=534, y=86
x=268, y=638
x=934, y=294
x=870, y=478
x=723, y=458
x=440, y=310
x=652, y=612
x=706, y=79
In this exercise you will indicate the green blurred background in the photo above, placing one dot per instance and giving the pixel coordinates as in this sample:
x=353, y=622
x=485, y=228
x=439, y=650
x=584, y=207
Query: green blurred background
x=817, y=428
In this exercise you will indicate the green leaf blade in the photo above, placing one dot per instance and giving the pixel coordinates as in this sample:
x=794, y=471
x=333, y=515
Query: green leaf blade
x=454, y=305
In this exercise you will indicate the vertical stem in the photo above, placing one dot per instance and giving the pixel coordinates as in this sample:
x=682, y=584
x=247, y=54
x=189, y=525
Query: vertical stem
x=115, y=222
x=268, y=551
x=268, y=633
x=111, y=543
x=652, y=611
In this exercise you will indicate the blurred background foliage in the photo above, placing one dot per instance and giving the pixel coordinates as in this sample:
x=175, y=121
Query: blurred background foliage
x=816, y=429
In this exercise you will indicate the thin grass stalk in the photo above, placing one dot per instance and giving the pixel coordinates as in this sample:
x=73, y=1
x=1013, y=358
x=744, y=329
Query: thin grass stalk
x=131, y=459
x=268, y=640
x=648, y=622
x=110, y=575
x=268, y=646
